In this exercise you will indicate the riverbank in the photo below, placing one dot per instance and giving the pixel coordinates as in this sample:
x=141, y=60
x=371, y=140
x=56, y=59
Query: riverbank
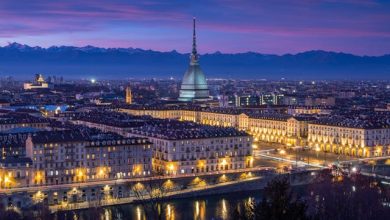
x=205, y=190
x=242, y=185
x=100, y=190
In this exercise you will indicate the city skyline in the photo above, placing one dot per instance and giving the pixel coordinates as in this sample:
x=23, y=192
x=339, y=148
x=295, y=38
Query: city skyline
x=358, y=27
x=235, y=109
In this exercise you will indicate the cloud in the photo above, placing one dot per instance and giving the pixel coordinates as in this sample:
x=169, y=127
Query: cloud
x=118, y=22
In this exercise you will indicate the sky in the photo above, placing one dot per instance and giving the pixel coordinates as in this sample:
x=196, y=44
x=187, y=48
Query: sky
x=359, y=27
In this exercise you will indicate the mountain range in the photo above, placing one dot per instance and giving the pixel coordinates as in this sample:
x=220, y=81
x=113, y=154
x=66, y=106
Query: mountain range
x=22, y=61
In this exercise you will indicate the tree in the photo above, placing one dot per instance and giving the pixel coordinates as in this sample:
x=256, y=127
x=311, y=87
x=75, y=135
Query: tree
x=280, y=203
x=347, y=197
x=150, y=194
x=243, y=211
x=39, y=211
x=10, y=214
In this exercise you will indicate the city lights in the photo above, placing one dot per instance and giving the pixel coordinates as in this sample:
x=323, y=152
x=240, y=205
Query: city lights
x=87, y=127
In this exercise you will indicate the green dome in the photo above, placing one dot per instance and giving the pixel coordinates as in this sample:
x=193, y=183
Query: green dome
x=194, y=78
x=194, y=85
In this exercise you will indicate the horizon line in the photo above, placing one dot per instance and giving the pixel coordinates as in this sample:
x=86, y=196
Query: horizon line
x=215, y=52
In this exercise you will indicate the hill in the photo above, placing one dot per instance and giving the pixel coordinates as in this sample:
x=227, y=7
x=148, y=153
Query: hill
x=21, y=61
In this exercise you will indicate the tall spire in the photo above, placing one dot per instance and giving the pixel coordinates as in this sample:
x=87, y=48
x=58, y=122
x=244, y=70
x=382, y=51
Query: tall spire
x=194, y=54
x=194, y=38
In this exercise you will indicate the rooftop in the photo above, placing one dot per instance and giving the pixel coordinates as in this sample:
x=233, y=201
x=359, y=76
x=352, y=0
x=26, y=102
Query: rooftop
x=13, y=140
x=271, y=116
x=163, y=128
x=21, y=118
x=91, y=137
x=362, y=123
x=176, y=130
x=112, y=119
x=15, y=160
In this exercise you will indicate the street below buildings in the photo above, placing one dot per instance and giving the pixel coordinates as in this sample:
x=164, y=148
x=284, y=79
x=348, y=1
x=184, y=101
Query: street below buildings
x=129, y=180
x=285, y=158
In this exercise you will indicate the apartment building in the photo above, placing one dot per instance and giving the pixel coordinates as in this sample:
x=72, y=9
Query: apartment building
x=356, y=137
x=60, y=157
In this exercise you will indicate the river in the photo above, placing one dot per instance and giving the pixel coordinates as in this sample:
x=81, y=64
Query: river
x=208, y=207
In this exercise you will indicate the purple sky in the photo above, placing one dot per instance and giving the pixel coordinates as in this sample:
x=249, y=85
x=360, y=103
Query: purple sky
x=267, y=26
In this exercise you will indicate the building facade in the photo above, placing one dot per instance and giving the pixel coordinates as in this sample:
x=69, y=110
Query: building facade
x=188, y=148
x=350, y=138
x=39, y=83
x=14, y=120
x=129, y=96
x=62, y=157
x=301, y=129
x=178, y=146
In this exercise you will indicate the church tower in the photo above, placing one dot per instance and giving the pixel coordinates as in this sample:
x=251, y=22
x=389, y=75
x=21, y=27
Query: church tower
x=194, y=85
x=129, y=97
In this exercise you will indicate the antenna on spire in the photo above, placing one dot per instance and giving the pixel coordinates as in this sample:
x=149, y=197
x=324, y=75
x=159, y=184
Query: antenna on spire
x=194, y=37
x=194, y=54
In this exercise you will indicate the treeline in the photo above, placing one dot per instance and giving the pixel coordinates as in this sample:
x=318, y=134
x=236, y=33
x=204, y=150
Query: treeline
x=328, y=198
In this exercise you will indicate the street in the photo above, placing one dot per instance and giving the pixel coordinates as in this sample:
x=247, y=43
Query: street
x=283, y=158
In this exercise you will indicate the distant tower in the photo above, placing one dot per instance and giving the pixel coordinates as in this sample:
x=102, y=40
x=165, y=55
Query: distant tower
x=39, y=78
x=194, y=85
x=129, y=97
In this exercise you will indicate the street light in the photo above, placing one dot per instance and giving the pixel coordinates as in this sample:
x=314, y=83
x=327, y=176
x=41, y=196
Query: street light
x=317, y=151
x=168, y=184
x=80, y=175
x=137, y=169
x=223, y=178
x=101, y=172
x=39, y=177
x=170, y=168
x=7, y=181
x=249, y=161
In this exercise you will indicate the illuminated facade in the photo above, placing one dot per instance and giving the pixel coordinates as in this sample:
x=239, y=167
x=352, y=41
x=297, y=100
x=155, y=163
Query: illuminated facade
x=278, y=128
x=39, y=83
x=15, y=172
x=269, y=128
x=129, y=96
x=178, y=146
x=200, y=149
x=350, y=140
x=290, y=130
x=69, y=157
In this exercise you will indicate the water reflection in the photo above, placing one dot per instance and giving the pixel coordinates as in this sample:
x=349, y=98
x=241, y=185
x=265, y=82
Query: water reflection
x=107, y=214
x=170, y=212
x=139, y=214
x=222, y=209
x=199, y=209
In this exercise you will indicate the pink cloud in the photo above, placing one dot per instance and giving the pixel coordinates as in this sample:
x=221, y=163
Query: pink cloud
x=283, y=25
